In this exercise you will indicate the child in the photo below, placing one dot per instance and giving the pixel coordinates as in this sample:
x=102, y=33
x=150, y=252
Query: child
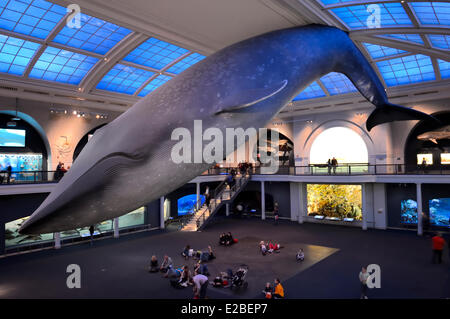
x=300, y=255
x=268, y=291
x=153, y=265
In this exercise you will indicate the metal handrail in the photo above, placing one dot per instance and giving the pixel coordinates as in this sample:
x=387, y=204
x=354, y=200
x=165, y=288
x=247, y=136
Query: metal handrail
x=237, y=185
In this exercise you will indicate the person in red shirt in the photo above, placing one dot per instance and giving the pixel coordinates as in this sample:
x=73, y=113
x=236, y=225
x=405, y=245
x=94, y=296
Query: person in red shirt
x=438, y=247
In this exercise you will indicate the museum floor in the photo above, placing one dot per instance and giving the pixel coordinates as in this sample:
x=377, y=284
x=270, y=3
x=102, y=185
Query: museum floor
x=117, y=268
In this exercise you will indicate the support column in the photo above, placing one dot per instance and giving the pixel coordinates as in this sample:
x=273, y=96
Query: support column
x=57, y=237
x=263, y=201
x=198, y=195
x=303, y=202
x=161, y=213
x=116, y=227
x=295, y=200
x=419, y=209
x=364, y=207
x=227, y=209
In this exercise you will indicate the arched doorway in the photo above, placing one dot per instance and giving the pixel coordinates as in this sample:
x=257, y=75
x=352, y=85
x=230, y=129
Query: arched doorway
x=82, y=143
x=343, y=143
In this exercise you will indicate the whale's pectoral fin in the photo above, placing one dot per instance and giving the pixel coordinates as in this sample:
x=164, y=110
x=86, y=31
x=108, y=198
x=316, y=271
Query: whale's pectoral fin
x=391, y=112
x=242, y=100
x=433, y=140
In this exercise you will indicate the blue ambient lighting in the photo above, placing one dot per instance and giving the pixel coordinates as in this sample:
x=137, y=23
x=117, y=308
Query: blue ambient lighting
x=154, y=84
x=155, y=53
x=432, y=13
x=440, y=41
x=62, y=66
x=444, y=67
x=337, y=83
x=16, y=54
x=124, y=79
x=36, y=18
x=312, y=91
x=356, y=17
x=186, y=63
x=414, y=38
x=379, y=51
x=407, y=70
x=95, y=35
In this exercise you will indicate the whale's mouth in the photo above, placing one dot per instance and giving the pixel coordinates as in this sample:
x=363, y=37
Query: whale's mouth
x=96, y=179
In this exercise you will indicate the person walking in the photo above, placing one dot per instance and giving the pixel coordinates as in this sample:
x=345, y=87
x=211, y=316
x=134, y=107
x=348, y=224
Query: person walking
x=329, y=166
x=8, y=174
x=438, y=244
x=363, y=276
x=91, y=232
x=275, y=212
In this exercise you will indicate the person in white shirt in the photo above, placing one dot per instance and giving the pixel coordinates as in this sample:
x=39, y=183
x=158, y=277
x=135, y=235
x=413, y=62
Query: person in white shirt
x=200, y=285
x=363, y=276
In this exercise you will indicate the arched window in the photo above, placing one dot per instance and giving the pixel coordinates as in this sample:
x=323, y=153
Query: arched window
x=340, y=142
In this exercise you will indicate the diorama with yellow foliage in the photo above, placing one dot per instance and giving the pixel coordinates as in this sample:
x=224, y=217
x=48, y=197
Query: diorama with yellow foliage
x=333, y=200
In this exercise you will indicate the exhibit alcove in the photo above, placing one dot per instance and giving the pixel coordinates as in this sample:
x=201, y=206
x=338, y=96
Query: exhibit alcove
x=428, y=146
x=21, y=146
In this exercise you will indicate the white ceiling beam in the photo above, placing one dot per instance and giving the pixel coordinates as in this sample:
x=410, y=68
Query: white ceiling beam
x=399, y=30
x=402, y=45
x=59, y=26
x=116, y=54
x=162, y=71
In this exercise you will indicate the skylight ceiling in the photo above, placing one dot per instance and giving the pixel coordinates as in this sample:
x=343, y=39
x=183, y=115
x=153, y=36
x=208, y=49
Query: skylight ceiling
x=410, y=45
x=395, y=40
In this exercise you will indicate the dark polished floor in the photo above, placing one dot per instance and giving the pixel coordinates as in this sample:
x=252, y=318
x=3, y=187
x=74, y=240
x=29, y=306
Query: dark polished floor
x=114, y=268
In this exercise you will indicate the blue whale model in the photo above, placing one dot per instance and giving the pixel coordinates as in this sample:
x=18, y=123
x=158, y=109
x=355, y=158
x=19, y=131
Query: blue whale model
x=127, y=163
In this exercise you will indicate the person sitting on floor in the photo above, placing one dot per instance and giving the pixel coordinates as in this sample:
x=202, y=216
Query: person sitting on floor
x=222, y=239
x=201, y=268
x=300, y=255
x=274, y=247
x=173, y=273
x=153, y=264
x=211, y=253
x=185, y=252
x=263, y=248
x=167, y=262
x=278, y=290
x=229, y=239
x=185, y=278
x=268, y=290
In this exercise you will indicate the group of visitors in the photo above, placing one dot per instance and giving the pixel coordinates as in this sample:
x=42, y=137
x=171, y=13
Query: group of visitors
x=7, y=172
x=245, y=167
x=269, y=247
x=226, y=239
x=275, y=292
x=60, y=171
x=198, y=254
x=332, y=164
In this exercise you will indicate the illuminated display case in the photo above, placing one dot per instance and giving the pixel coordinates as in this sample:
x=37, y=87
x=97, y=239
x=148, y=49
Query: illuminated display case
x=445, y=158
x=428, y=157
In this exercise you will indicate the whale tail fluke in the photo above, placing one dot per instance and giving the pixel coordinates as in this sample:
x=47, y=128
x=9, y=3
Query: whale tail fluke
x=391, y=112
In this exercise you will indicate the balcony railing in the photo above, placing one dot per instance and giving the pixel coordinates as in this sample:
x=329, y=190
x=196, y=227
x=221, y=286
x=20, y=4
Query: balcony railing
x=36, y=177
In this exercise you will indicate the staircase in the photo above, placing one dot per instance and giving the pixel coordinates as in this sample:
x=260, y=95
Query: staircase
x=222, y=194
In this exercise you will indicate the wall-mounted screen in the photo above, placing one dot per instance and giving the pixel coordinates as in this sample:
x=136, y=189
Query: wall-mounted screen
x=445, y=158
x=408, y=211
x=335, y=202
x=440, y=212
x=21, y=162
x=12, y=137
x=186, y=203
x=426, y=159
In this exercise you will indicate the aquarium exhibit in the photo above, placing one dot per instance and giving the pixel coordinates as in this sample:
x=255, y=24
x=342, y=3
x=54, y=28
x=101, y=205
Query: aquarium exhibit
x=186, y=204
x=408, y=211
x=440, y=212
x=12, y=137
x=334, y=201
